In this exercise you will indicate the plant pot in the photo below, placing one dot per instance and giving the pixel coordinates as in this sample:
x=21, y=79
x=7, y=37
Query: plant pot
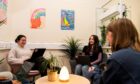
x=73, y=65
x=52, y=75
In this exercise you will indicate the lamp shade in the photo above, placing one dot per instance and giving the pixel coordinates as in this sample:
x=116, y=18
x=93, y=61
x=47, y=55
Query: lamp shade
x=64, y=74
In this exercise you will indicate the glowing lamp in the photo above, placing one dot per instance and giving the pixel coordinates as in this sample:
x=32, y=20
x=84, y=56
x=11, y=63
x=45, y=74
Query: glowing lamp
x=64, y=74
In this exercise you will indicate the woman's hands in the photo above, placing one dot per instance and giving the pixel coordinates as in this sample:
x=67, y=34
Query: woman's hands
x=91, y=68
x=91, y=63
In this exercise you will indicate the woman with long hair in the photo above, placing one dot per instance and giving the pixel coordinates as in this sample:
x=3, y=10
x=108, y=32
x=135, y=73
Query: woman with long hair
x=95, y=52
x=123, y=67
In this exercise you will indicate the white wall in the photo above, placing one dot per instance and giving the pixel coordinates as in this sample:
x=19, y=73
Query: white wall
x=132, y=9
x=19, y=12
x=134, y=6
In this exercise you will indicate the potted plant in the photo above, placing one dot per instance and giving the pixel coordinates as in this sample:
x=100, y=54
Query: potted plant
x=49, y=66
x=103, y=34
x=72, y=46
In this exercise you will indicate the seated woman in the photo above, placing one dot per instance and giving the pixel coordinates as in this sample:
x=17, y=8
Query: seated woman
x=123, y=66
x=18, y=55
x=95, y=52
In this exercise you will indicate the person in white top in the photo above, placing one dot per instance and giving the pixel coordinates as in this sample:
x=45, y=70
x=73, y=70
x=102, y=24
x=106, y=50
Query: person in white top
x=19, y=54
x=17, y=57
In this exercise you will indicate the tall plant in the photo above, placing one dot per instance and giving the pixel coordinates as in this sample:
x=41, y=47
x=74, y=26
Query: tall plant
x=103, y=34
x=72, y=46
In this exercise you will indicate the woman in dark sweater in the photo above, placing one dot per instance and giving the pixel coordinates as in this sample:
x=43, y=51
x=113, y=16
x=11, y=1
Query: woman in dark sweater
x=95, y=52
x=124, y=65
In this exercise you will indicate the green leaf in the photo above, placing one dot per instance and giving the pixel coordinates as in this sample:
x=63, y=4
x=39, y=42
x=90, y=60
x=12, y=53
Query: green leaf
x=103, y=34
x=72, y=46
x=49, y=63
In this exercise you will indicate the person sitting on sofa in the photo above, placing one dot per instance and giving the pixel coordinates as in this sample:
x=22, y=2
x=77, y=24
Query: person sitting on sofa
x=95, y=52
x=18, y=55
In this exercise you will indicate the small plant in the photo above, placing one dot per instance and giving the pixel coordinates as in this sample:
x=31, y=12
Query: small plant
x=72, y=46
x=53, y=63
x=1, y=60
x=49, y=63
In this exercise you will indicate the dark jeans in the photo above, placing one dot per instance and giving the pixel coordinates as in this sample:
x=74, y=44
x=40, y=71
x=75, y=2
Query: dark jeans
x=80, y=69
x=93, y=73
x=94, y=76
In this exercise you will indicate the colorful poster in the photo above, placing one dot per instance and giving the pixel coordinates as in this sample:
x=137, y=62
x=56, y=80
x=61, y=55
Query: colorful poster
x=3, y=10
x=67, y=20
x=38, y=18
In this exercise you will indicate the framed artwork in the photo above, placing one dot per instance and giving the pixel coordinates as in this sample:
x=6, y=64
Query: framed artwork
x=67, y=20
x=38, y=18
x=3, y=11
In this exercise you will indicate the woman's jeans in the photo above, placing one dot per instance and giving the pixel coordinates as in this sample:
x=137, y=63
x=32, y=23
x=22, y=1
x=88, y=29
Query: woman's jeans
x=83, y=70
x=93, y=73
x=80, y=68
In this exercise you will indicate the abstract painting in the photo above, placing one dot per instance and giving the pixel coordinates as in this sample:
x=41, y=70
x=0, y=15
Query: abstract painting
x=67, y=20
x=38, y=18
x=3, y=10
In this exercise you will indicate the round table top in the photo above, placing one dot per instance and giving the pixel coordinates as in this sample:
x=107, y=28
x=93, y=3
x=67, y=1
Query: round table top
x=74, y=79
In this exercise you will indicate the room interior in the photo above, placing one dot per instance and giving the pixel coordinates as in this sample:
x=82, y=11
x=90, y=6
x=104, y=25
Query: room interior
x=89, y=17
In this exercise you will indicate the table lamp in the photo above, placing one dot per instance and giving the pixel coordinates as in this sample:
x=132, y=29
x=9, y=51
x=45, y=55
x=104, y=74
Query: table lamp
x=64, y=74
